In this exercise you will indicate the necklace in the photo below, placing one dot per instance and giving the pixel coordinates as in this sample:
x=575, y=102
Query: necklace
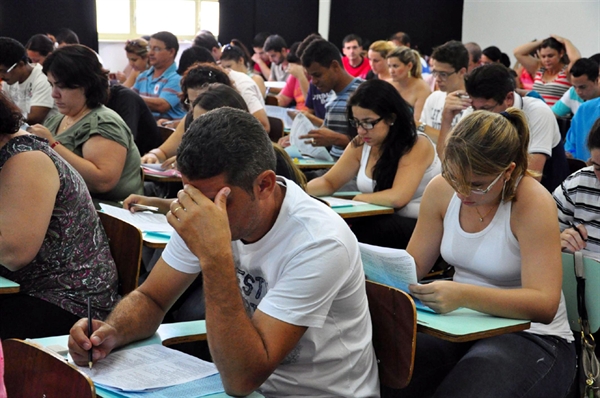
x=69, y=121
x=486, y=214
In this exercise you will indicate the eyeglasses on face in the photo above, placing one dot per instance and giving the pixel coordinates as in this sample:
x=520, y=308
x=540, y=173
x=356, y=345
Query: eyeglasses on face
x=442, y=75
x=476, y=191
x=367, y=125
x=156, y=49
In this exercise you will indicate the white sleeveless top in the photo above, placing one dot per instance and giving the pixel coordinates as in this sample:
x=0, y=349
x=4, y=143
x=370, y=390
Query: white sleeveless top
x=492, y=258
x=366, y=184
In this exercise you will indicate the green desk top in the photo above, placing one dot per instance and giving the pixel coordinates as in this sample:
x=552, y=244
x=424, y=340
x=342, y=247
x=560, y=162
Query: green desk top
x=7, y=286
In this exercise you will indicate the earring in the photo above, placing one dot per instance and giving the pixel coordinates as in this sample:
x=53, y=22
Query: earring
x=503, y=189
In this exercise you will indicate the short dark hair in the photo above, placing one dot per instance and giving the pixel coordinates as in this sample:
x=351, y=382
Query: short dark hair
x=168, y=38
x=474, y=50
x=585, y=66
x=219, y=95
x=490, y=81
x=40, y=43
x=11, y=52
x=305, y=43
x=593, y=140
x=200, y=74
x=66, y=36
x=321, y=52
x=10, y=116
x=193, y=55
x=496, y=55
x=595, y=57
x=228, y=141
x=77, y=66
x=352, y=37
x=275, y=43
x=452, y=52
x=259, y=39
x=207, y=40
x=401, y=37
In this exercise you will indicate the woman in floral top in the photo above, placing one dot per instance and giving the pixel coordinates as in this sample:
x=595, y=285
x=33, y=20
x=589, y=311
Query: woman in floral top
x=51, y=240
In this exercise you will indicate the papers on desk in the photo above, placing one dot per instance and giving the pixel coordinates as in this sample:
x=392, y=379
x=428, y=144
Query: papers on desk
x=275, y=84
x=301, y=126
x=391, y=267
x=338, y=203
x=280, y=112
x=148, y=367
x=144, y=220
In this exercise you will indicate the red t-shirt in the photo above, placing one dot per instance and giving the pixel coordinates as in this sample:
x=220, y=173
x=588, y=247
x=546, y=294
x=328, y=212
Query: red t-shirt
x=360, y=71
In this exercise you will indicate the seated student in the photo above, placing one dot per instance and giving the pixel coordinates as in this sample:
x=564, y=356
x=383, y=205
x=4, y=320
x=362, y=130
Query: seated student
x=296, y=85
x=392, y=164
x=314, y=99
x=586, y=86
x=25, y=84
x=51, y=240
x=498, y=227
x=493, y=55
x=262, y=62
x=354, y=62
x=88, y=135
x=286, y=307
x=137, y=57
x=277, y=49
x=38, y=47
x=377, y=55
x=235, y=56
x=578, y=201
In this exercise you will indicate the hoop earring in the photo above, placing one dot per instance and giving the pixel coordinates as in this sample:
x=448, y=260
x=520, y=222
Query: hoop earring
x=503, y=189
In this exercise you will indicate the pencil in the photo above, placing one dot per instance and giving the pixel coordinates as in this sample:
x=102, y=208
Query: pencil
x=577, y=229
x=90, y=330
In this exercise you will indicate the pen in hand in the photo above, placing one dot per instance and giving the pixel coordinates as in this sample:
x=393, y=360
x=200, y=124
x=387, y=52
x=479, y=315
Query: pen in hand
x=572, y=224
x=90, y=331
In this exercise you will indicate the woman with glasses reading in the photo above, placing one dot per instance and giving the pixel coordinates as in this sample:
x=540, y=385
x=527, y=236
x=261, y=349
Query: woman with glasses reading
x=489, y=218
x=391, y=162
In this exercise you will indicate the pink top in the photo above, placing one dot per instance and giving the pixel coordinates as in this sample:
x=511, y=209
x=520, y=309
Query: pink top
x=292, y=90
x=2, y=388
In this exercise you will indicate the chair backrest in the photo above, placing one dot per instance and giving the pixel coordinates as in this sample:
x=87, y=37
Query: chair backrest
x=276, y=128
x=394, y=319
x=33, y=371
x=165, y=132
x=592, y=291
x=125, y=241
x=271, y=100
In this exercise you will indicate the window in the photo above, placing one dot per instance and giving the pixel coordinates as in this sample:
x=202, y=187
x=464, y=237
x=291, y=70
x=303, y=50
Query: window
x=129, y=19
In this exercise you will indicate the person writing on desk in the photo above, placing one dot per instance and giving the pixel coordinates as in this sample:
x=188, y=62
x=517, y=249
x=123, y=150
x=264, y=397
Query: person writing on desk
x=392, y=164
x=51, y=239
x=286, y=307
x=497, y=225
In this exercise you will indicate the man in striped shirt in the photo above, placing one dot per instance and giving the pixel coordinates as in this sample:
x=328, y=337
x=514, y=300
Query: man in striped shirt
x=159, y=85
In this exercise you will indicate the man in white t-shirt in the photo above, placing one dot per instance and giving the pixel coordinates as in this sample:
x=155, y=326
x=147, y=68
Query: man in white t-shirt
x=286, y=307
x=25, y=84
x=450, y=63
x=490, y=88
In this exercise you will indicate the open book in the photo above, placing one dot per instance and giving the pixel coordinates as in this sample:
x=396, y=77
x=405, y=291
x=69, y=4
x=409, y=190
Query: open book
x=391, y=267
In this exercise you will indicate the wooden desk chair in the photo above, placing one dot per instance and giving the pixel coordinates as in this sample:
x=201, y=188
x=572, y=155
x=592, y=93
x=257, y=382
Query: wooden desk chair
x=276, y=128
x=33, y=371
x=271, y=100
x=165, y=132
x=125, y=241
x=592, y=291
x=394, y=319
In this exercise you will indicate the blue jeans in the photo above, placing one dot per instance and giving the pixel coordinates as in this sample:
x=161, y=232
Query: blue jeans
x=510, y=365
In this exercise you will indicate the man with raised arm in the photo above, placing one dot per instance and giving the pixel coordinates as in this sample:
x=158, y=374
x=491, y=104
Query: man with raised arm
x=286, y=307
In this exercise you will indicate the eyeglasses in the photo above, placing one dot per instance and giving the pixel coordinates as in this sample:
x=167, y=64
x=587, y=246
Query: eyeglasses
x=12, y=67
x=476, y=191
x=367, y=125
x=441, y=75
x=156, y=49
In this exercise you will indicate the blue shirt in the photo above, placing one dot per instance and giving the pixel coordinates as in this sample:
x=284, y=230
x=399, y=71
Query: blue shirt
x=581, y=124
x=336, y=118
x=568, y=103
x=166, y=86
x=316, y=100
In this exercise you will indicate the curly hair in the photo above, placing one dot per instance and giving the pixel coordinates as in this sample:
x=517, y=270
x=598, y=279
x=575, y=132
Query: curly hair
x=11, y=117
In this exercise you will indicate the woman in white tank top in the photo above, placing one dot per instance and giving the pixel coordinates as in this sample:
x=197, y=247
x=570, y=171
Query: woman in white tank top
x=498, y=226
x=391, y=162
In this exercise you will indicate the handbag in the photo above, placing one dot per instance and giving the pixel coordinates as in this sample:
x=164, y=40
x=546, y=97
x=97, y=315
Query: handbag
x=589, y=365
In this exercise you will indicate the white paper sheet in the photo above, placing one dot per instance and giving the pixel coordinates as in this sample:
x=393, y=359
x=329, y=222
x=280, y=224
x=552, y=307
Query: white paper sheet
x=302, y=126
x=144, y=220
x=340, y=202
x=280, y=113
x=147, y=367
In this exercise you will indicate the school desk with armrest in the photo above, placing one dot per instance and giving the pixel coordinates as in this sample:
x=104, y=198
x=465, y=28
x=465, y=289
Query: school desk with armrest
x=591, y=270
x=8, y=287
x=167, y=334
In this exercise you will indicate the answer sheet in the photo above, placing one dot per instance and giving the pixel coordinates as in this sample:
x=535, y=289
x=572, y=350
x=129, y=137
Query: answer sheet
x=148, y=367
x=144, y=220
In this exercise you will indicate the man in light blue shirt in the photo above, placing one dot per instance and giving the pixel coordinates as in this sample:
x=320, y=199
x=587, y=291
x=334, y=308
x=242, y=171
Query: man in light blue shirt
x=159, y=85
x=584, y=77
x=581, y=125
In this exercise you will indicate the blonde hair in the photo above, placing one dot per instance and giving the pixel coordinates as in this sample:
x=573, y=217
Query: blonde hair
x=486, y=143
x=406, y=56
x=298, y=175
x=137, y=46
x=382, y=47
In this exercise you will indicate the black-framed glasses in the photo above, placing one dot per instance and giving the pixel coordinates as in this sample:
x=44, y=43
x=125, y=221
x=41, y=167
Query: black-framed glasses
x=366, y=124
x=442, y=75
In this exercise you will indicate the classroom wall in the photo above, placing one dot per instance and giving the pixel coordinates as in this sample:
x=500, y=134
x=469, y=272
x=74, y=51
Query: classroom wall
x=508, y=24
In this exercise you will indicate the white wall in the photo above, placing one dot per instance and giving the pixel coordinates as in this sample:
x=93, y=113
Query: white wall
x=510, y=23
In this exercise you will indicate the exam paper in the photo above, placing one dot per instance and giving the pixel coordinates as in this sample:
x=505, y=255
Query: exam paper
x=197, y=388
x=280, y=112
x=339, y=202
x=144, y=220
x=301, y=126
x=148, y=367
